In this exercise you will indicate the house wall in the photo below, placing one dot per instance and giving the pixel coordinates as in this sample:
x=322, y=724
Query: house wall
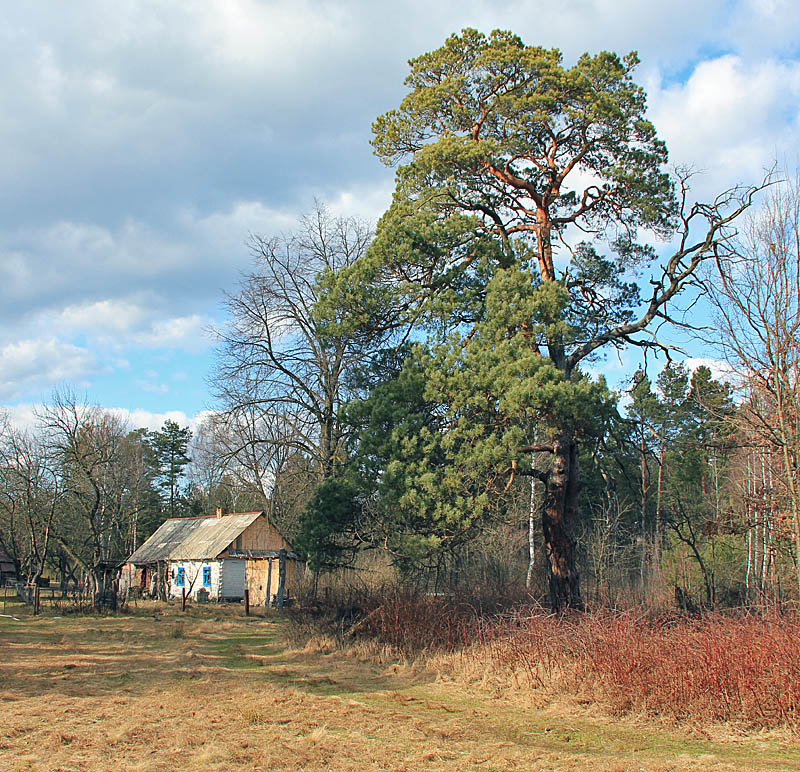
x=128, y=577
x=258, y=573
x=229, y=578
x=263, y=572
x=261, y=535
x=134, y=577
x=193, y=570
x=291, y=578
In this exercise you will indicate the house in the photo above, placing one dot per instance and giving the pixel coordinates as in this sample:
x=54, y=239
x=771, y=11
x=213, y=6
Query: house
x=8, y=570
x=222, y=555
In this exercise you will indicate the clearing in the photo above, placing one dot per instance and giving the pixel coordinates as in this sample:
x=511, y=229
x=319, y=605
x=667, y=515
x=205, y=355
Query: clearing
x=211, y=689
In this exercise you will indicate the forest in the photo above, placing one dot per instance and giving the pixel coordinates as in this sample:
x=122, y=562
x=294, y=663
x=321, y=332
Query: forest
x=425, y=400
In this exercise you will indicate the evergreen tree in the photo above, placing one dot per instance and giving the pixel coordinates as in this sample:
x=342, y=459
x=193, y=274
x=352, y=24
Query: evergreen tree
x=170, y=446
x=505, y=153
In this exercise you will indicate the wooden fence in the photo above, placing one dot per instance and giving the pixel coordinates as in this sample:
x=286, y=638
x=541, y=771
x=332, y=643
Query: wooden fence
x=72, y=597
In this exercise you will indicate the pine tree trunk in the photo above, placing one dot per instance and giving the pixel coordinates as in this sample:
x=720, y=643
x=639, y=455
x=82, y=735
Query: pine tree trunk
x=559, y=517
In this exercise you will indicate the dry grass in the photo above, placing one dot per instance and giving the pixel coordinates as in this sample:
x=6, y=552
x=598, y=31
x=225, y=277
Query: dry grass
x=212, y=690
x=742, y=667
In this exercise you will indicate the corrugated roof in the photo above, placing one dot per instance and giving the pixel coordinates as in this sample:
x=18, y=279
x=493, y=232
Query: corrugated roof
x=212, y=536
x=193, y=538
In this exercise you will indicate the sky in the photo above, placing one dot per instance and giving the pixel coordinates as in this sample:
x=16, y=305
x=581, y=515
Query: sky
x=144, y=140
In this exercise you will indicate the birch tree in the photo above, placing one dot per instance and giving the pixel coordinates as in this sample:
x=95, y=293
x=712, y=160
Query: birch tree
x=756, y=293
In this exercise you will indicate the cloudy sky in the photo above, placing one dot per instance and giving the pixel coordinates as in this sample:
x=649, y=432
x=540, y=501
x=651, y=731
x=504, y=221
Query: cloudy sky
x=143, y=140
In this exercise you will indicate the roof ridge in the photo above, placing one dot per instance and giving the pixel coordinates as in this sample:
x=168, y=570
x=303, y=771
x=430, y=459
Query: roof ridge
x=215, y=517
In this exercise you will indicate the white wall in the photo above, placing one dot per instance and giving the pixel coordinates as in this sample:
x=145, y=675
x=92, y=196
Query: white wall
x=193, y=570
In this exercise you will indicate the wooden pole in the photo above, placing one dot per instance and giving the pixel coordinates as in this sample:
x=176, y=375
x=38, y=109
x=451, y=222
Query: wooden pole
x=247, y=603
x=281, y=578
x=183, y=599
x=36, y=600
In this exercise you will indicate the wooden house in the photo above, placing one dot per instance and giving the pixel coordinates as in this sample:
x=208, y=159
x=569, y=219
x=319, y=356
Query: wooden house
x=220, y=556
x=8, y=569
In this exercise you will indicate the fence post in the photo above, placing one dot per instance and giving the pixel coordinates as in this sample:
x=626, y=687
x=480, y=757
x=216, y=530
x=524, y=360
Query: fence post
x=247, y=602
x=36, y=600
x=281, y=578
x=183, y=599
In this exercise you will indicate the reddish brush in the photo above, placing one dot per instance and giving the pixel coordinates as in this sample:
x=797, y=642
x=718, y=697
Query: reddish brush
x=715, y=668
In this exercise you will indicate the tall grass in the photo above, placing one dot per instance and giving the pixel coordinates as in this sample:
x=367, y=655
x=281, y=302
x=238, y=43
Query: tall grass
x=718, y=667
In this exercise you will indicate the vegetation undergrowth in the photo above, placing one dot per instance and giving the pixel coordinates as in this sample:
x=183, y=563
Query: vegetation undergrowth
x=735, y=666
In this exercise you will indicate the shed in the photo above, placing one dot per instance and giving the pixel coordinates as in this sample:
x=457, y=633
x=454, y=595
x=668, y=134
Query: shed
x=8, y=569
x=222, y=555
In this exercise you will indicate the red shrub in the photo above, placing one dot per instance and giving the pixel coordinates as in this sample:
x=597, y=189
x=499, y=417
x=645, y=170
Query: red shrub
x=718, y=667
x=714, y=668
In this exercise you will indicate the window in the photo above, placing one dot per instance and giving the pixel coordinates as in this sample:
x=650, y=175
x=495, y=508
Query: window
x=206, y=576
x=181, y=579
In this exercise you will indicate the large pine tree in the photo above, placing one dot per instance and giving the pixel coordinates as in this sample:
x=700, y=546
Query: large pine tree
x=510, y=247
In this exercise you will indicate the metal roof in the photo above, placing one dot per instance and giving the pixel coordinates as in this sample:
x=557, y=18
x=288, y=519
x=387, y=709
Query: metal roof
x=193, y=538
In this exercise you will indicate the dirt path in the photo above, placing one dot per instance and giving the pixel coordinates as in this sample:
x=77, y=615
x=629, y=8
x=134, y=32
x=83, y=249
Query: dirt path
x=212, y=690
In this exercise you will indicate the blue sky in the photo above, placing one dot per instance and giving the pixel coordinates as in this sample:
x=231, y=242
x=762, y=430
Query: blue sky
x=144, y=140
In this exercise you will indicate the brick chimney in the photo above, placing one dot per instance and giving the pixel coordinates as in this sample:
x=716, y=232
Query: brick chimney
x=219, y=511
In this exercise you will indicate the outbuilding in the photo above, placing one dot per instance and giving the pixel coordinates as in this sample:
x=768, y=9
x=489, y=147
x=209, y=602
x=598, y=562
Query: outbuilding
x=8, y=569
x=219, y=557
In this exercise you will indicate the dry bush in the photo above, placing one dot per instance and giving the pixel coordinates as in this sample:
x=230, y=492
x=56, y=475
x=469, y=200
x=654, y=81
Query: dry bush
x=411, y=621
x=714, y=668
x=718, y=667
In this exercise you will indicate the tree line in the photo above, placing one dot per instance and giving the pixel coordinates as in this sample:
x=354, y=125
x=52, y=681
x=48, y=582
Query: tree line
x=446, y=364
x=79, y=491
x=427, y=389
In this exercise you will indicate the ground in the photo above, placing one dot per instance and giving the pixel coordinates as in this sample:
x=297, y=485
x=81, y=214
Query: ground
x=210, y=689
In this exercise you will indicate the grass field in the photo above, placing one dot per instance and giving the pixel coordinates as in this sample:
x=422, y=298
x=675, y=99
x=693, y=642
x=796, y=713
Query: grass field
x=212, y=690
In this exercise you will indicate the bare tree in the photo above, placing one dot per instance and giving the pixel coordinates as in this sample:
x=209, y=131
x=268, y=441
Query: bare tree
x=208, y=467
x=30, y=495
x=89, y=446
x=757, y=298
x=282, y=372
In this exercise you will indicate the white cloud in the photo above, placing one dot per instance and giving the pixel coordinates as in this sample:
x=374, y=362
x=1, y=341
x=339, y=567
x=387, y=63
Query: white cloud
x=756, y=26
x=39, y=364
x=720, y=369
x=187, y=333
x=153, y=388
x=224, y=231
x=277, y=37
x=23, y=416
x=730, y=118
x=153, y=421
x=366, y=202
x=102, y=317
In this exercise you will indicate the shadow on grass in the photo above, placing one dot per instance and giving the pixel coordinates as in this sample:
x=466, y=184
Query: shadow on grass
x=159, y=647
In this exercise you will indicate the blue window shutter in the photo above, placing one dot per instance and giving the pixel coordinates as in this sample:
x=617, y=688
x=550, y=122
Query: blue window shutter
x=181, y=577
x=206, y=576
